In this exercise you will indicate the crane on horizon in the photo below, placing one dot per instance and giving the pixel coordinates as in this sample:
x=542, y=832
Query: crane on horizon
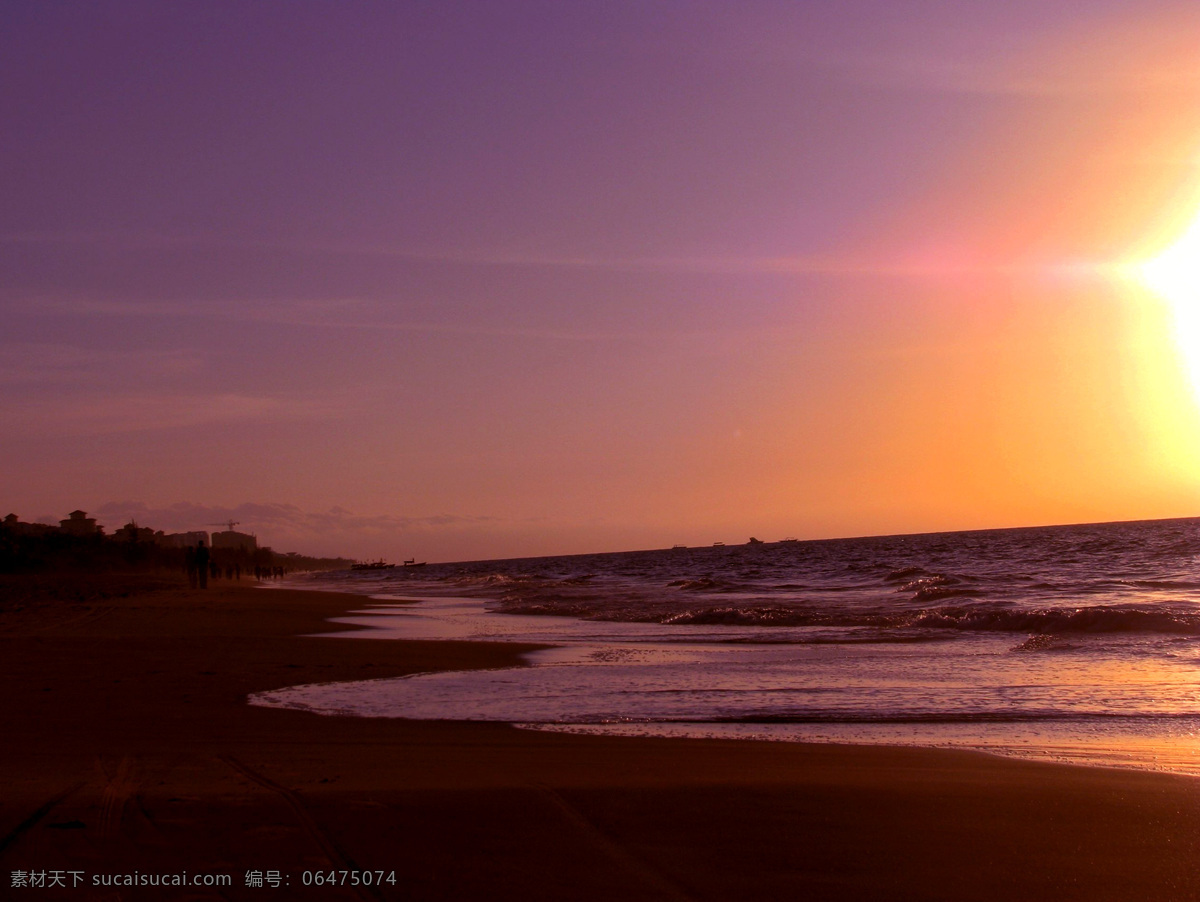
x=230, y=523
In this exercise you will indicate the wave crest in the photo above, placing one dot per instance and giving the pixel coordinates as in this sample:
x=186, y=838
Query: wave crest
x=963, y=618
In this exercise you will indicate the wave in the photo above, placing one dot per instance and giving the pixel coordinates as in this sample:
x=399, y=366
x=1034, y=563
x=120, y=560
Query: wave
x=956, y=717
x=1138, y=578
x=710, y=584
x=965, y=618
x=1060, y=620
x=1045, y=642
x=700, y=584
x=935, y=586
x=882, y=718
x=935, y=592
x=1164, y=584
x=905, y=573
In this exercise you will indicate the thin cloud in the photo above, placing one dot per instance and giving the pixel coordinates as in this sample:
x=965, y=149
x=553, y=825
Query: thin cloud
x=359, y=312
x=371, y=316
x=42, y=363
x=107, y=414
x=271, y=519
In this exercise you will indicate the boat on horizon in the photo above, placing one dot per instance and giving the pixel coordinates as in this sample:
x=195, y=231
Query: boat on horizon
x=380, y=564
x=413, y=562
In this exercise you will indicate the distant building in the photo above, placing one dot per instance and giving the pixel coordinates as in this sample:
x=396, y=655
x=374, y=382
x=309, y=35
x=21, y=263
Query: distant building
x=13, y=525
x=131, y=532
x=238, y=541
x=79, y=524
x=182, y=539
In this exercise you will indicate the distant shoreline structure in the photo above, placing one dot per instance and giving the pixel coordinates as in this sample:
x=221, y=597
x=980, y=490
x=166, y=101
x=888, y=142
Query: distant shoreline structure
x=80, y=543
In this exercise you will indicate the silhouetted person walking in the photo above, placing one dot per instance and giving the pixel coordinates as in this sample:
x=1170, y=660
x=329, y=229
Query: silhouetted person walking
x=202, y=564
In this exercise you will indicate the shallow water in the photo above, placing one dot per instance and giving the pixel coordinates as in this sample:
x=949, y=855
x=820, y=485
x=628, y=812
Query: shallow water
x=1067, y=643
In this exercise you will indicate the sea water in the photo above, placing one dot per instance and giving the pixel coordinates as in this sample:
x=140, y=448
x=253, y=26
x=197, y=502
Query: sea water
x=1073, y=643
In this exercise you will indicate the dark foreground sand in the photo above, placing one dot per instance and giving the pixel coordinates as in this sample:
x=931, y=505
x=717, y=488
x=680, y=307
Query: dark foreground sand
x=128, y=747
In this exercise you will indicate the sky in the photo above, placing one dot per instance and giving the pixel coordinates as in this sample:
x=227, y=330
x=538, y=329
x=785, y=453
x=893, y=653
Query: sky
x=455, y=280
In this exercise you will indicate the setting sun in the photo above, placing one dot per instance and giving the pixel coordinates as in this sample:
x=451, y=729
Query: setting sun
x=1175, y=275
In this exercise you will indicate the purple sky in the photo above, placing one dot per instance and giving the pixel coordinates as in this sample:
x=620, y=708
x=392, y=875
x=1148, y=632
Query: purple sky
x=464, y=280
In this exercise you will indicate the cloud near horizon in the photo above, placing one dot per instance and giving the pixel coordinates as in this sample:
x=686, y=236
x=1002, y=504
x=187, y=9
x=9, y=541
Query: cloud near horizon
x=96, y=413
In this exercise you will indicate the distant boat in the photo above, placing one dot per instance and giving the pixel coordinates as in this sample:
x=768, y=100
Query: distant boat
x=679, y=548
x=413, y=562
x=788, y=540
x=718, y=544
x=754, y=541
x=372, y=565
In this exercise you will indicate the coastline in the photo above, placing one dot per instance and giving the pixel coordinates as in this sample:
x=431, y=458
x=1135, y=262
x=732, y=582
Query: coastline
x=136, y=750
x=563, y=691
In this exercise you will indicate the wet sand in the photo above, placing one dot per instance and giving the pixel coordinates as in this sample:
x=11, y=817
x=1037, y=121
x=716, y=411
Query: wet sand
x=128, y=747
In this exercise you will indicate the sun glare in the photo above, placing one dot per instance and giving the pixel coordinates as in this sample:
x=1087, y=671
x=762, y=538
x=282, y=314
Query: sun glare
x=1175, y=276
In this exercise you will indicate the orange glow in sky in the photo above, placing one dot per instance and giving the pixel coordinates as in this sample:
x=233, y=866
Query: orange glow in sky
x=562, y=278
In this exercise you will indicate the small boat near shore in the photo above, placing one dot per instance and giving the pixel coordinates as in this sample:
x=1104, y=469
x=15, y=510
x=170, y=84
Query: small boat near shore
x=413, y=562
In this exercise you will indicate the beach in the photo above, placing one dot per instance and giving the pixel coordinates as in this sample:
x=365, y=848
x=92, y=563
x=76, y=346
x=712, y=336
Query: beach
x=131, y=751
x=600, y=451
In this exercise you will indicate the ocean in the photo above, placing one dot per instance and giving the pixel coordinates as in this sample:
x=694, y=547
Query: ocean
x=1067, y=643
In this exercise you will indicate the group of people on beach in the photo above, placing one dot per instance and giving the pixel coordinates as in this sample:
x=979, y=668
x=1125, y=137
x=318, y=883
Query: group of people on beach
x=201, y=566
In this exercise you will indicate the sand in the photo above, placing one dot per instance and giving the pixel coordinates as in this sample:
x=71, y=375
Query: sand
x=128, y=748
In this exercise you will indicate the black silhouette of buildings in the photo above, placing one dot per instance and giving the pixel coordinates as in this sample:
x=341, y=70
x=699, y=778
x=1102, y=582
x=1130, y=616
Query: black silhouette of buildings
x=234, y=541
x=80, y=543
x=79, y=524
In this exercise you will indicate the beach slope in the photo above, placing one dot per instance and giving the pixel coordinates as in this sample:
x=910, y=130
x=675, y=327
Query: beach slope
x=129, y=749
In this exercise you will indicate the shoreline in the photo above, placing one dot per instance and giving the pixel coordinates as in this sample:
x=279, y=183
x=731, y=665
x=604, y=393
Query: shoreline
x=133, y=724
x=1171, y=750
